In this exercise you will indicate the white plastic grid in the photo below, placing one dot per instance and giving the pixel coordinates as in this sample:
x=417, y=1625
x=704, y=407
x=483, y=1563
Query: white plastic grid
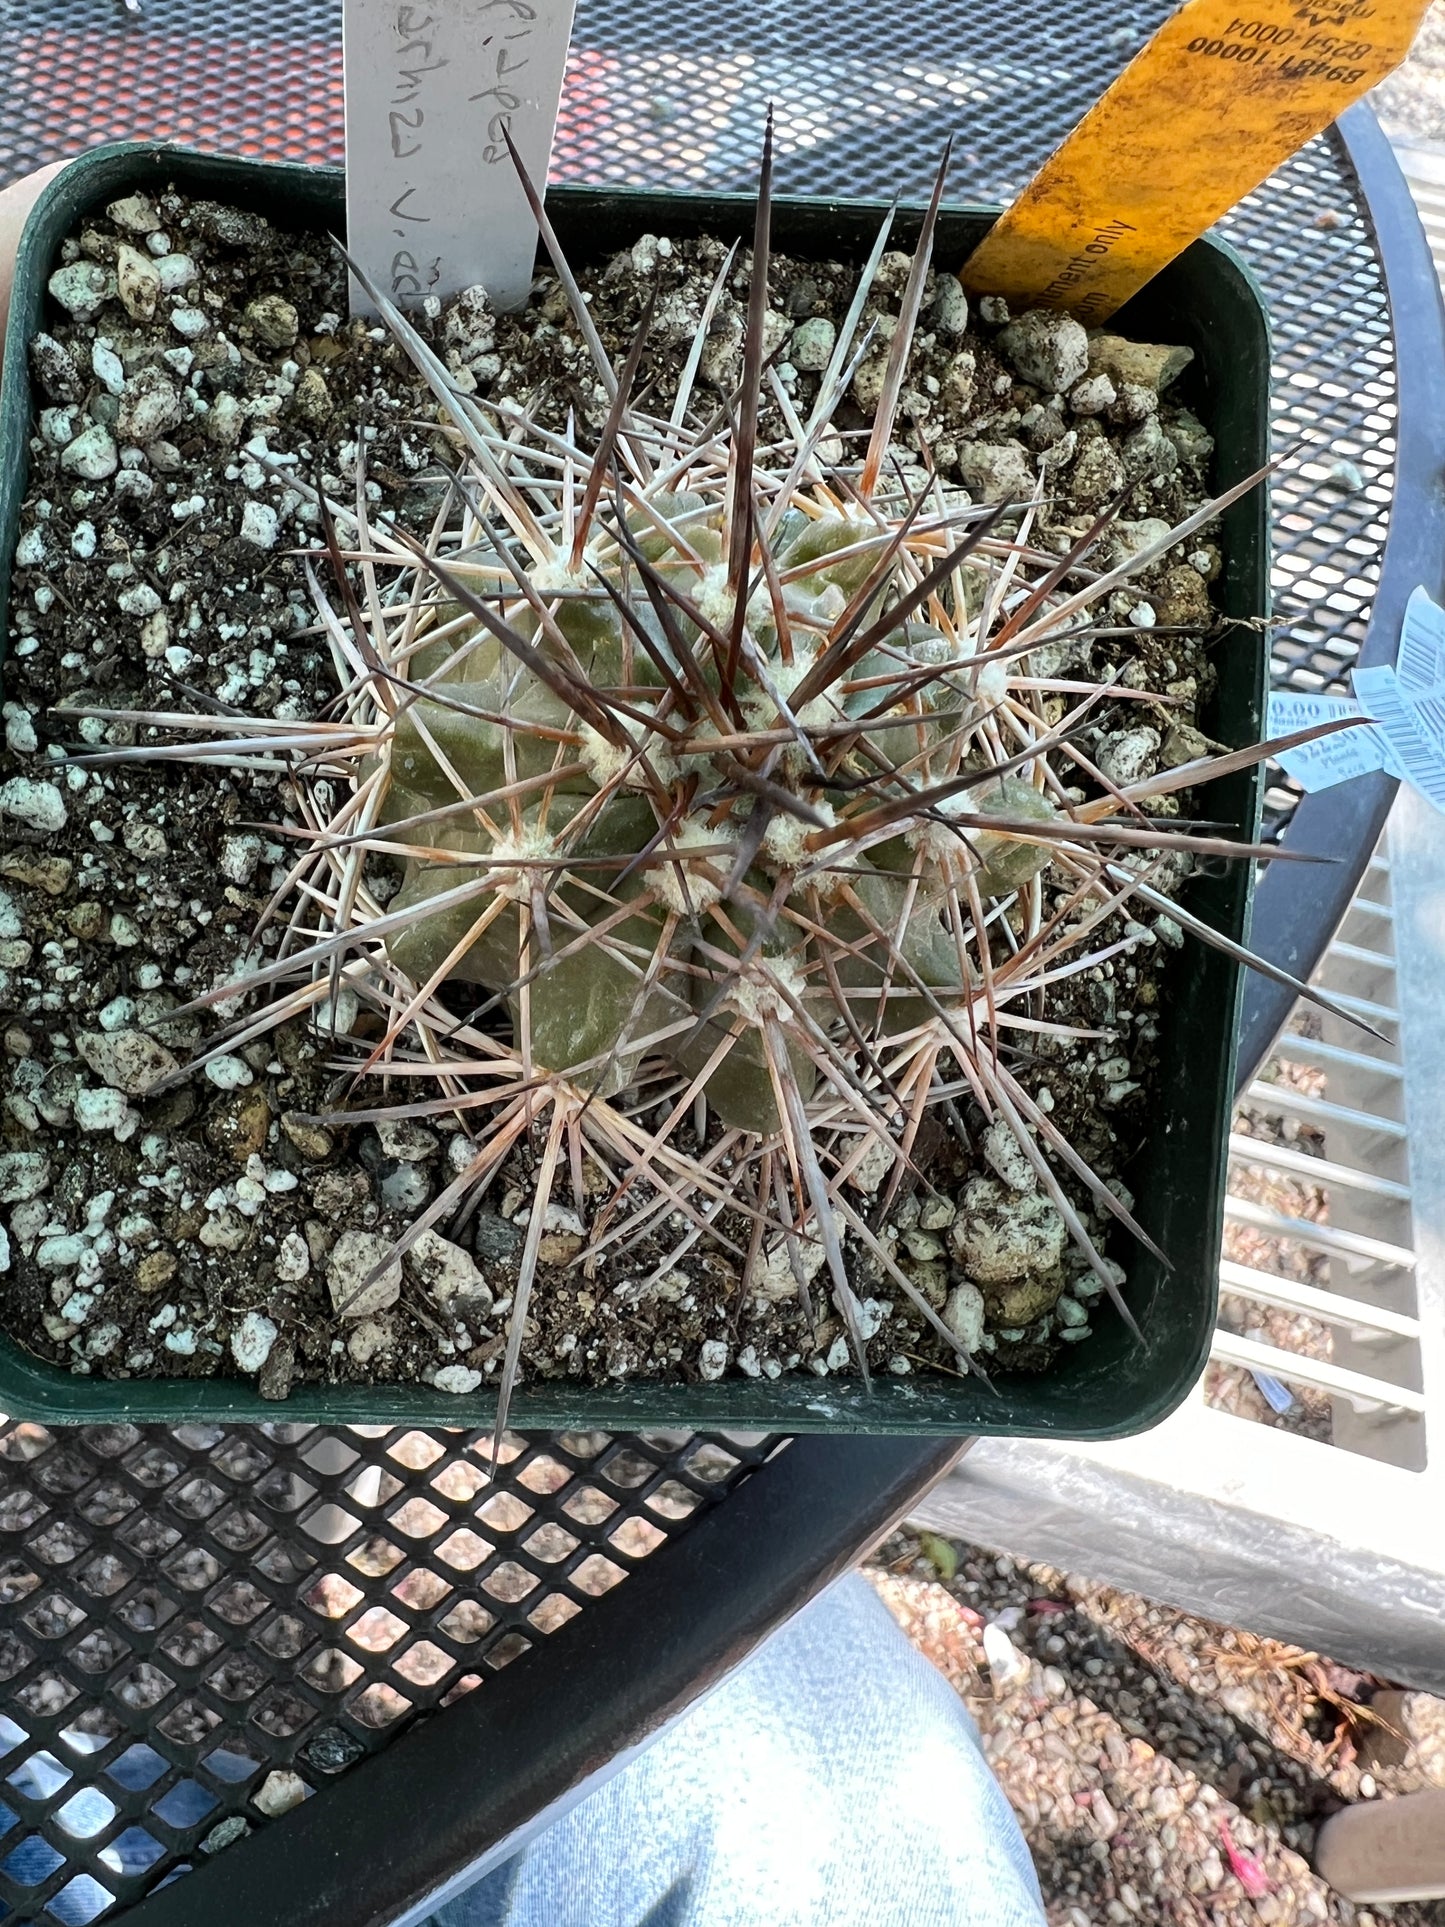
x=1335, y=1541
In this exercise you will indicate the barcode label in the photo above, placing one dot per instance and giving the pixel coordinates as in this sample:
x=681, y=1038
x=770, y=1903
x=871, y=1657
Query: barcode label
x=1421, y=662
x=1421, y=754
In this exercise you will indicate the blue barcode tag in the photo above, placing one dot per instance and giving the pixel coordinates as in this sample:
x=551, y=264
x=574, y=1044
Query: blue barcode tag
x=1417, y=746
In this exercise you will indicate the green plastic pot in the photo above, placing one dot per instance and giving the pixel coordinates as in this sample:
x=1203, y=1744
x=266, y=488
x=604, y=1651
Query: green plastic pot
x=1111, y=1385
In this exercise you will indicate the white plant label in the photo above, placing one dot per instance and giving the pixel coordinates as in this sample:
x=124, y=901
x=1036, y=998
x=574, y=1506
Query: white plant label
x=433, y=87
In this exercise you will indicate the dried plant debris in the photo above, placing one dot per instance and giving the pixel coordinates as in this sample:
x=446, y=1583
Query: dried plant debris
x=637, y=839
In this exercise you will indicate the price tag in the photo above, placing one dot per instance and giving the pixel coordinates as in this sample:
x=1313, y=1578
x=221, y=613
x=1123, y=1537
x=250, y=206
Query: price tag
x=433, y=202
x=1225, y=91
x=1329, y=759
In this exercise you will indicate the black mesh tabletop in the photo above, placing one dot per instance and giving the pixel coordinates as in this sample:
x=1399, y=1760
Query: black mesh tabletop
x=201, y=1629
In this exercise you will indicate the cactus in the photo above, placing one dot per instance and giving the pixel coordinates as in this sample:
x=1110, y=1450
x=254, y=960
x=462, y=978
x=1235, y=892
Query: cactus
x=684, y=874
x=724, y=826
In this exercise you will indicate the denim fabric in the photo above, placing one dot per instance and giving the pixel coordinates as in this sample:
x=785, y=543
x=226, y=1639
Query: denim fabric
x=834, y=1780
x=32, y=1860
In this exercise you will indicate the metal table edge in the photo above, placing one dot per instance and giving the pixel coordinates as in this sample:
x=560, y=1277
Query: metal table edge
x=458, y=1793
x=1298, y=906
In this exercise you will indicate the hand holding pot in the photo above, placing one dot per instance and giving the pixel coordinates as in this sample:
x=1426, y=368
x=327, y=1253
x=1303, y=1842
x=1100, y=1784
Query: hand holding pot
x=16, y=201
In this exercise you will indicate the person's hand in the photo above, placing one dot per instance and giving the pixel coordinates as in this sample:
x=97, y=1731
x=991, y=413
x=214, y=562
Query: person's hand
x=16, y=202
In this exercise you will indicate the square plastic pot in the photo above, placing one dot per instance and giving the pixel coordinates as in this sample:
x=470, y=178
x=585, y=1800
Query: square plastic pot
x=1111, y=1385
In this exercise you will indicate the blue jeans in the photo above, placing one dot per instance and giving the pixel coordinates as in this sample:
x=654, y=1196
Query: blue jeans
x=834, y=1780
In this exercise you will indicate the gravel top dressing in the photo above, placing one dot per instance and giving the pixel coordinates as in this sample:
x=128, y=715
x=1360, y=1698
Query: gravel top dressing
x=197, y=384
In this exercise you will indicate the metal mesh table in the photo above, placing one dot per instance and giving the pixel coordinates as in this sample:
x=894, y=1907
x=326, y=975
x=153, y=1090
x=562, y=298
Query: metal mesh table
x=198, y=1626
x=191, y=1615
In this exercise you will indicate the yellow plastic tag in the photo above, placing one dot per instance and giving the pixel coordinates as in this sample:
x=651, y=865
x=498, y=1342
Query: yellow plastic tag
x=1224, y=92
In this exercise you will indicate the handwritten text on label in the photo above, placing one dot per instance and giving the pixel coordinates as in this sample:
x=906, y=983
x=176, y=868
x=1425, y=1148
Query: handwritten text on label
x=432, y=88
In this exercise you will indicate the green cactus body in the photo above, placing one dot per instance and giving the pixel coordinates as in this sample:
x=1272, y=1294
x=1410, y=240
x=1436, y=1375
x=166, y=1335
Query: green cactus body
x=925, y=947
x=589, y=1010
x=1007, y=864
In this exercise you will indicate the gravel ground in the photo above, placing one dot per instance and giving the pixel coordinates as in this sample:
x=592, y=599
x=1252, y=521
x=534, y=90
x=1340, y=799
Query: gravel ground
x=1135, y=1742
